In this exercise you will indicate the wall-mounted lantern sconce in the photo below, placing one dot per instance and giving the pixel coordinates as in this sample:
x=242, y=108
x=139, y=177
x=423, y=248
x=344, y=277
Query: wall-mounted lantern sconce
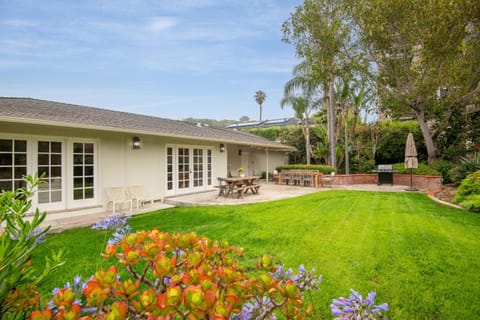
x=222, y=147
x=240, y=152
x=136, y=144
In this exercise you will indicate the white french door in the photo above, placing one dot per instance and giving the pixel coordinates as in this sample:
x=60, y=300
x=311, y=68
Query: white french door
x=188, y=168
x=84, y=181
x=68, y=168
x=49, y=164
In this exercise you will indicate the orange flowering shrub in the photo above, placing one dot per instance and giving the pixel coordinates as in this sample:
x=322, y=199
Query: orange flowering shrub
x=179, y=276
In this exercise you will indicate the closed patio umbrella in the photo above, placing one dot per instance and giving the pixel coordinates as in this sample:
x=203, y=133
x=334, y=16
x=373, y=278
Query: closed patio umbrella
x=411, y=160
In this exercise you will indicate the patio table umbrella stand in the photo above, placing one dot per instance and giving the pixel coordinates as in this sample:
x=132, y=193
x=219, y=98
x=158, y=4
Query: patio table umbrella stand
x=411, y=160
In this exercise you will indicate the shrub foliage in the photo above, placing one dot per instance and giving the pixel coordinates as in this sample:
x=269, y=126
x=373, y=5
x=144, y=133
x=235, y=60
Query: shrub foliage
x=468, y=193
x=19, y=237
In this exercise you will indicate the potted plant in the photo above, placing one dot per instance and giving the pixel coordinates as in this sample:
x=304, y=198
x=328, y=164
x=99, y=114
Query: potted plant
x=240, y=172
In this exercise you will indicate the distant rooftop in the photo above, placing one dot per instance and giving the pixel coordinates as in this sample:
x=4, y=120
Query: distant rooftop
x=265, y=123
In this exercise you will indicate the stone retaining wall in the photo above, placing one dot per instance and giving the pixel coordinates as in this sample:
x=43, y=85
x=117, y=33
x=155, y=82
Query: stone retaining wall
x=419, y=181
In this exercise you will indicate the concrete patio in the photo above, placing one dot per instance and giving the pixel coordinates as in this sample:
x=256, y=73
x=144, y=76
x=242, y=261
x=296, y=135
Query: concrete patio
x=269, y=192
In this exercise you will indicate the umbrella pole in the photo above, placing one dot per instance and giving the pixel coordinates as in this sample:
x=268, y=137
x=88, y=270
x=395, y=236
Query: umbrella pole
x=411, y=188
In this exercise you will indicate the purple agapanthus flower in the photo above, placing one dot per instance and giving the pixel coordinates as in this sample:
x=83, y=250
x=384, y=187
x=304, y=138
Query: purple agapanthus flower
x=307, y=280
x=117, y=224
x=118, y=220
x=282, y=274
x=355, y=307
x=253, y=309
x=77, y=287
x=39, y=235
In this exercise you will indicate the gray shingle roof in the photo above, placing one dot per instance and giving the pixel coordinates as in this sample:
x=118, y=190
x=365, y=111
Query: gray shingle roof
x=63, y=114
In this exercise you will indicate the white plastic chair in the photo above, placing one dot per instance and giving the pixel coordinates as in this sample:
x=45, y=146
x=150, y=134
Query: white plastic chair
x=117, y=195
x=137, y=194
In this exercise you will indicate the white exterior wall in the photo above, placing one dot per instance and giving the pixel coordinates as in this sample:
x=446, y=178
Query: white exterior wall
x=254, y=158
x=117, y=163
x=121, y=166
x=259, y=160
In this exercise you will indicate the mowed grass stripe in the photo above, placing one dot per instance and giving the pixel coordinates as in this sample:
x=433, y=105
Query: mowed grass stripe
x=419, y=256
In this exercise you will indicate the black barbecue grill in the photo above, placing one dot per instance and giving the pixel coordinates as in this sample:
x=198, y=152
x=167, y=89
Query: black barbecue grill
x=385, y=174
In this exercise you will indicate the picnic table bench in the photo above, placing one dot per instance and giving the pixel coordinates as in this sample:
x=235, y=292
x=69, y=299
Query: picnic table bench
x=238, y=186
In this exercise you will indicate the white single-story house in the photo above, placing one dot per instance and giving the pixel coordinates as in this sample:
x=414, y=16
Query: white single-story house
x=83, y=151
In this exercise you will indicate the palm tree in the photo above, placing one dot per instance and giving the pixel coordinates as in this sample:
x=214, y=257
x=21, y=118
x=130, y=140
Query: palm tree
x=302, y=93
x=300, y=106
x=260, y=98
x=349, y=94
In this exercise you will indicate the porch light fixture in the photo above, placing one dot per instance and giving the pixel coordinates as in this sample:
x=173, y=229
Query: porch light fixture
x=136, y=144
x=240, y=152
x=222, y=147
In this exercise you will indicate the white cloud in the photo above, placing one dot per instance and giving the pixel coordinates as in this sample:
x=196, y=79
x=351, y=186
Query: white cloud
x=19, y=23
x=159, y=24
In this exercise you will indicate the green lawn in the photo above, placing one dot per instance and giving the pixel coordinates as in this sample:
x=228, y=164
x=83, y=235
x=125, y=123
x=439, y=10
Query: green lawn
x=421, y=257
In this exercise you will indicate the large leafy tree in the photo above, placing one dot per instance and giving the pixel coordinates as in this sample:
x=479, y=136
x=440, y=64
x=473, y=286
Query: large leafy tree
x=424, y=56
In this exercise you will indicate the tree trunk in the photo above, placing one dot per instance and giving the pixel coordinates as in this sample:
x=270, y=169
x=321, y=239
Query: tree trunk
x=307, y=145
x=347, y=160
x=427, y=136
x=306, y=135
x=331, y=125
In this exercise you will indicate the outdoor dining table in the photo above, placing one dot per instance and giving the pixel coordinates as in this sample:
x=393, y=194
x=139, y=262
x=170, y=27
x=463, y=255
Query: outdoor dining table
x=241, y=185
x=317, y=176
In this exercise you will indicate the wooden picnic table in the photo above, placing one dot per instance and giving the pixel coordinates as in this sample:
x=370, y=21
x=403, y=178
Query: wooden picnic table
x=241, y=185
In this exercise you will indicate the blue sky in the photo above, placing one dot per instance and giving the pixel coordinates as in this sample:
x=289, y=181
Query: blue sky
x=173, y=59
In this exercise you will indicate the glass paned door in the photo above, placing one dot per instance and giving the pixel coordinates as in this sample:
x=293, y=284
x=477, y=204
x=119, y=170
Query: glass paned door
x=209, y=167
x=49, y=164
x=197, y=167
x=170, y=168
x=13, y=163
x=83, y=171
x=183, y=169
x=188, y=168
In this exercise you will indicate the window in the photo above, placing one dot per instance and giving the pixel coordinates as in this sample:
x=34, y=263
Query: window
x=169, y=168
x=209, y=167
x=49, y=162
x=13, y=163
x=183, y=168
x=83, y=171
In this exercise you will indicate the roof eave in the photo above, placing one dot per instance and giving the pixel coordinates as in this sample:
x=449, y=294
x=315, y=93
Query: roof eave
x=136, y=131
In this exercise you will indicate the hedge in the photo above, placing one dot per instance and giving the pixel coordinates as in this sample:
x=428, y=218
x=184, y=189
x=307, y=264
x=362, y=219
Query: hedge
x=322, y=168
x=423, y=169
